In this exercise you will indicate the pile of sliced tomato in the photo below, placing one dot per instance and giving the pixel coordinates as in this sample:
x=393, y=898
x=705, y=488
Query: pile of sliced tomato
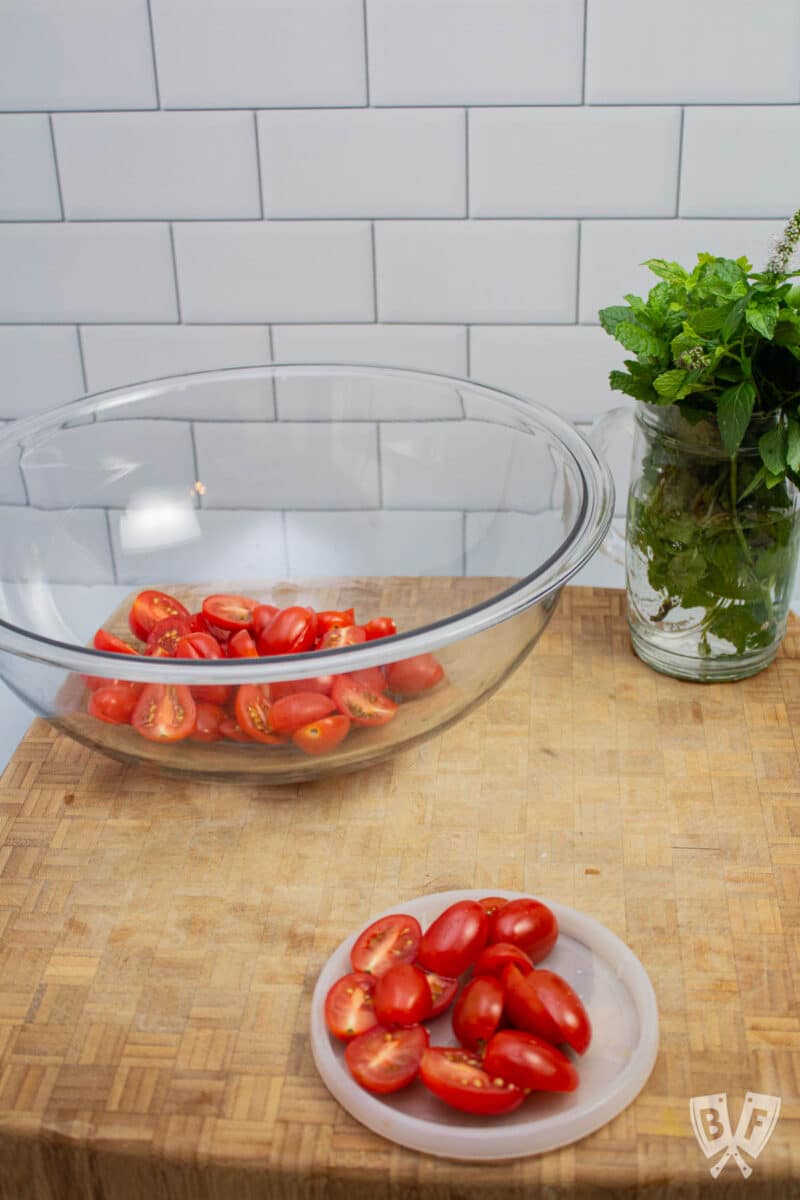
x=313, y=714
x=510, y=1017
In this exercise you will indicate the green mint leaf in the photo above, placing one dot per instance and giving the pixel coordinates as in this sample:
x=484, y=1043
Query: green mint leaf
x=762, y=315
x=673, y=385
x=734, y=410
x=610, y=317
x=733, y=320
x=639, y=340
x=772, y=446
x=671, y=271
x=708, y=320
x=793, y=445
x=639, y=389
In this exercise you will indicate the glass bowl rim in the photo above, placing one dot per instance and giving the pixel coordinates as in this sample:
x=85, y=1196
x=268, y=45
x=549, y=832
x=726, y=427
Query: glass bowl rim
x=592, y=521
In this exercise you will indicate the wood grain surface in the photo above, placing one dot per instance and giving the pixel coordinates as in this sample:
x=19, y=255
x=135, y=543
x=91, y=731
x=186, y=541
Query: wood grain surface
x=160, y=939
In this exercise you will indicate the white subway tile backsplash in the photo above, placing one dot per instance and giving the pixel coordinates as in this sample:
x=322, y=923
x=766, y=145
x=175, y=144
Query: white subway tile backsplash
x=69, y=546
x=475, y=51
x=374, y=543
x=729, y=152
x=612, y=251
x=441, y=348
x=231, y=545
x=237, y=54
x=562, y=366
x=493, y=272
x=28, y=184
x=511, y=544
x=375, y=163
x=97, y=272
x=719, y=51
x=40, y=367
x=294, y=465
x=12, y=490
x=573, y=162
x=157, y=165
x=108, y=463
x=80, y=54
x=291, y=271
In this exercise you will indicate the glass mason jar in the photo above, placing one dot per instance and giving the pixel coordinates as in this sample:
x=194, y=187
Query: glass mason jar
x=710, y=553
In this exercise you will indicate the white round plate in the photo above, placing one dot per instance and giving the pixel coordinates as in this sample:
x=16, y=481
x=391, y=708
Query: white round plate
x=618, y=996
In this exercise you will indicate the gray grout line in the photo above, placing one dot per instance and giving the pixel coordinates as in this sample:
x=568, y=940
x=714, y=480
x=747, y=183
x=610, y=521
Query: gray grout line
x=153, y=54
x=256, y=222
x=578, y=274
x=583, y=51
x=112, y=555
x=55, y=164
x=82, y=358
x=630, y=103
x=680, y=165
x=468, y=329
x=258, y=167
x=285, y=533
x=366, y=50
x=374, y=272
x=175, y=273
x=466, y=162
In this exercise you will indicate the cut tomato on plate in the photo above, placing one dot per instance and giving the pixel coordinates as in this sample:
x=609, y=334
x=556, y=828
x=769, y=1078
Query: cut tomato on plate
x=362, y=706
x=350, y=1006
x=229, y=612
x=524, y=1008
x=529, y=1062
x=321, y=736
x=149, y=608
x=386, y=1060
x=563, y=1007
x=164, y=712
x=402, y=996
x=478, y=1012
x=443, y=992
x=526, y=923
x=493, y=960
x=458, y=1078
x=389, y=940
x=455, y=939
x=490, y=904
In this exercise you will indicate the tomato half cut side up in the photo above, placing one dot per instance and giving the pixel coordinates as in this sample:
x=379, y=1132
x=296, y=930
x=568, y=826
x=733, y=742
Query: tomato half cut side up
x=385, y=943
x=529, y=1062
x=229, y=612
x=163, y=638
x=458, y=1078
x=362, y=706
x=342, y=635
x=112, y=644
x=164, y=712
x=321, y=736
x=443, y=992
x=386, y=1060
x=252, y=714
x=149, y=608
x=350, y=1006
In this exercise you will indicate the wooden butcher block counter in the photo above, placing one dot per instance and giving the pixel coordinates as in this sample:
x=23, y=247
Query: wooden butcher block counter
x=160, y=940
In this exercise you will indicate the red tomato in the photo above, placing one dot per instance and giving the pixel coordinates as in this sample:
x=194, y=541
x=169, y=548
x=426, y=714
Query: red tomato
x=525, y=923
x=524, y=1009
x=490, y=904
x=384, y=1060
x=529, y=1062
x=348, y=635
x=229, y=612
x=458, y=1078
x=262, y=615
x=198, y=623
x=289, y=632
x=242, y=645
x=208, y=722
x=232, y=730
x=111, y=644
x=149, y=608
x=93, y=682
x=372, y=678
x=478, y=1012
x=350, y=1007
x=163, y=638
x=164, y=712
x=402, y=996
x=321, y=736
x=455, y=939
x=252, y=714
x=362, y=706
x=494, y=959
x=385, y=943
x=334, y=620
x=564, y=1008
x=443, y=992
x=198, y=645
x=320, y=683
x=414, y=675
x=293, y=712
x=379, y=627
x=114, y=704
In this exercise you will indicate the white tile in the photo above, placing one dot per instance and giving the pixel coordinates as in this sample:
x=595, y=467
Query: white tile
x=366, y=397
x=80, y=54
x=690, y=53
x=297, y=465
x=374, y=543
x=40, y=367
x=573, y=162
x=730, y=153
x=116, y=355
x=64, y=546
x=28, y=185
x=11, y=488
x=109, y=463
x=157, y=165
x=464, y=465
x=303, y=271
x=345, y=163
x=235, y=546
x=475, y=51
x=615, y=449
x=564, y=367
x=612, y=251
x=441, y=348
x=98, y=272
x=494, y=271
x=511, y=544
x=240, y=54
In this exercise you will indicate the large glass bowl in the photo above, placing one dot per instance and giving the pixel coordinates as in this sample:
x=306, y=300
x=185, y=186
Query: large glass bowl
x=456, y=509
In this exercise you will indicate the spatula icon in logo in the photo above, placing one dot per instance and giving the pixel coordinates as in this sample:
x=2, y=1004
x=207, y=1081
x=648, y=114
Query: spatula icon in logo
x=712, y=1128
